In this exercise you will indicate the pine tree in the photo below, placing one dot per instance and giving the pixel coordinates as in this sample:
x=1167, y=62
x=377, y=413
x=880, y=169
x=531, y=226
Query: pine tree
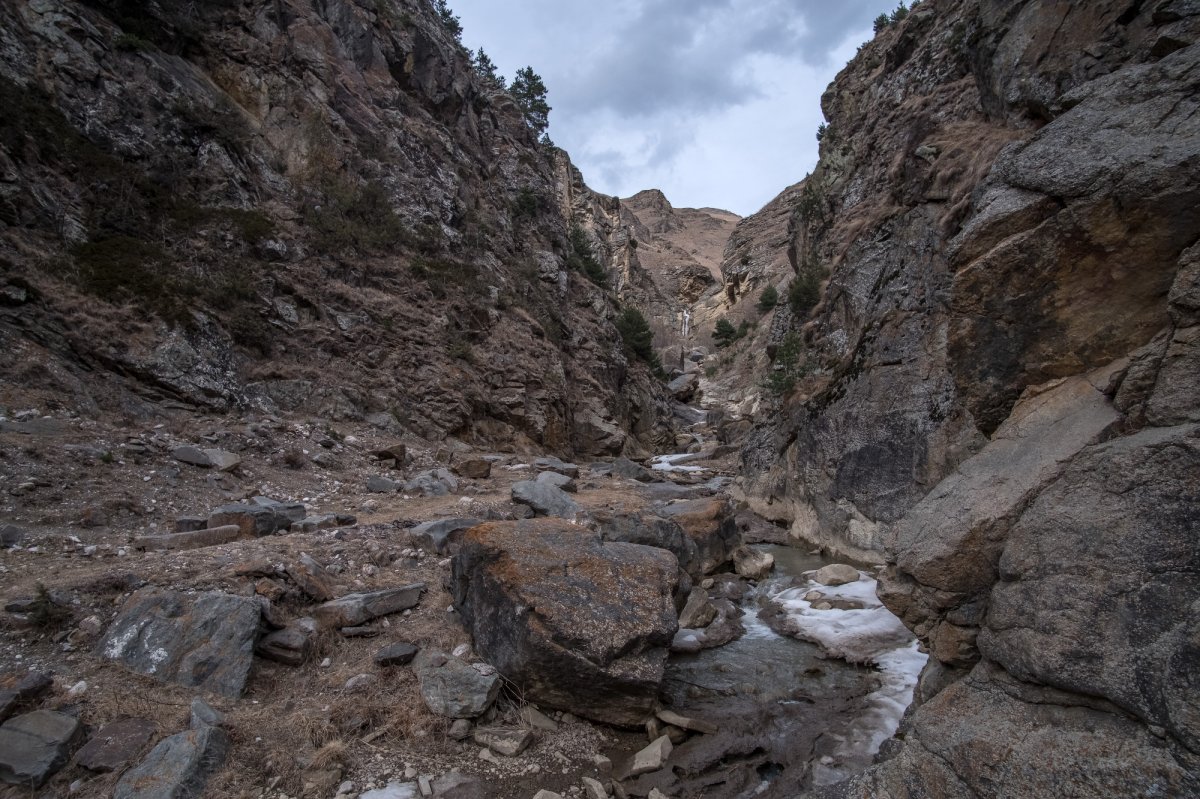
x=487, y=69
x=635, y=332
x=724, y=333
x=881, y=22
x=449, y=20
x=768, y=299
x=530, y=93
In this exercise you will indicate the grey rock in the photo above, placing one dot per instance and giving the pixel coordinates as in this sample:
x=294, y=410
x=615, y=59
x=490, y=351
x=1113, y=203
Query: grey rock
x=292, y=645
x=753, y=564
x=652, y=757
x=393, y=790
x=382, y=485
x=353, y=610
x=555, y=465
x=205, y=715
x=686, y=723
x=400, y=654
x=292, y=511
x=836, y=574
x=651, y=531
x=683, y=388
x=35, y=745
x=559, y=481
x=434, y=483
x=116, y=744
x=255, y=520
x=16, y=689
x=545, y=499
x=460, y=730
x=507, y=741
x=699, y=610
x=623, y=467
x=455, y=785
x=11, y=536
x=207, y=537
x=203, y=641
x=453, y=688
x=441, y=535
x=178, y=766
x=473, y=468
x=311, y=578
x=190, y=524
x=217, y=459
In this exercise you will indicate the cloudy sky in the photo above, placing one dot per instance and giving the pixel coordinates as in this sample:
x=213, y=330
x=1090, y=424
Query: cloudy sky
x=715, y=102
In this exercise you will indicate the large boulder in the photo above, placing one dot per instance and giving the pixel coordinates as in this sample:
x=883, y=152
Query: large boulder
x=36, y=745
x=178, y=766
x=545, y=499
x=441, y=535
x=710, y=524
x=202, y=641
x=575, y=622
x=453, y=688
x=652, y=531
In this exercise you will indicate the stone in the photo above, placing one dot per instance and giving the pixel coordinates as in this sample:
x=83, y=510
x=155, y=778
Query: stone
x=710, y=525
x=207, y=537
x=507, y=741
x=594, y=789
x=16, y=689
x=382, y=485
x=545, y=499
x=556, y=465
x=34, y=746
x=11, y=536
x=311, y=578
x=836, y=574
x=205, y=715
x=651, y=531
x=686, y=723
x=456, y=785
x=190, y=524
x=291, y=646
x=544, y=794
x=116, y=744
x=254, y=520
x=433, y=483
x=365, y=631
x=217, y=459
x=559, y=481
x=473, y=469
x=460, y=730
x=441, y=536
x=360, y=683
x=399, y=654
x=201, y=641
x=393, y=452
x=453, y=688
x=604, y=614
x=536, y=719
x=683, y=388
x=623, y=467
x=651, y=758
x=753, y=564
x=353, y=610
x=312, y=524
x=393, y=790
x=699, y=610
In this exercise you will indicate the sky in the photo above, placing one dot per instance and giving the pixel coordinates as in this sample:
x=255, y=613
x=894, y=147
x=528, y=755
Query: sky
x=715, y=102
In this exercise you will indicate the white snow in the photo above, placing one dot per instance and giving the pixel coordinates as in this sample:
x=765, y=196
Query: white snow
x=669, y=463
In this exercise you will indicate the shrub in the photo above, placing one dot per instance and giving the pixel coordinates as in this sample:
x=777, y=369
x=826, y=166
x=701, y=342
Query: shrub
x=350, y=217
x=899, y=14
x=583, y=259
x=449, y=21
x=822, y=129
x=804, y=293
x=131, y=43
x=527, y=204
x=787, y=366
x=881, y=22
x=768, y=299
x=724, y=333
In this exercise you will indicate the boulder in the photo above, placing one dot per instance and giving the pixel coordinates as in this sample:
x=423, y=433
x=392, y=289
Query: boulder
x=190, y=524
x=255, y=520
x=699, y=610
x=207, y=458
x=311, y=578
x=35, y=745
x=594, y=789
x=555, y=465
x=575, y=622
x=835, y=574
x=116, y=744
x=382, y=485
x=292, y=645
x=393, y=790
x=452, y=688
x=11, y=536
x=651, y=531
x=441, y=535
x=710, y=524
x=623, y=467
x=392, y=452
x=434, y=483
x=18, y=688
x=560, y=481
x=753, y=564
x=473, y=469
x=211, y=536
x=545, y=499
x=353, y=610
x=686, y=723
x=507, y=741
x=177, y=766
x=683, y=388
x=202, y=641
x=400, y=654
x=652, y=758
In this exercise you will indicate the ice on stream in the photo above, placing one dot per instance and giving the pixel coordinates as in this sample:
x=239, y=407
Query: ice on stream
x=670, y=463
x=867, y=633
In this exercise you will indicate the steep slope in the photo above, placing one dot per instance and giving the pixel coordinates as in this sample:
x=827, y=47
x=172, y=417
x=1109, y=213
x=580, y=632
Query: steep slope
x=303, y=208
x=997, y=393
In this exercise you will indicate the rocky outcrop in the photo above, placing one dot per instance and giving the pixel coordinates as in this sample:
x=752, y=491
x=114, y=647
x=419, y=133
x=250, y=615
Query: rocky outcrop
x=998, y=395
x=575, y=622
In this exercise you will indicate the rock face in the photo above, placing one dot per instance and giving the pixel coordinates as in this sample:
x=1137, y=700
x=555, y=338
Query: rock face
x=578, y=623
x=204, y=641
x=999, y=396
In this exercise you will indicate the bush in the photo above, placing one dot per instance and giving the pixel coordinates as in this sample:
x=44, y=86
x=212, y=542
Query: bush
x=583, y=259
x=449, y=20
x=724, y=333
x=804, y=293
x=635, y=332
x=768, y=299
x=350, y=217
x=899, y=14
x=822, y=129
x=527, y=204
x=787, y=366
x=881, y=22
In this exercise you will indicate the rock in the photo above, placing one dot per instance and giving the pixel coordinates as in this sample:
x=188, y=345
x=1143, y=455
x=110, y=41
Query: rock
x=455, y=785
x=201, y=641
x=116, y=744
x=685, y=723
x=292, y=646
x=699, y=611
x=460, y=730
x=603, y=764
x=651, y=531
x=836, y=574
x=366, y=631
x=35, y=745
x=652, y=758
x=311, y=578
x=18, y=688
x=441, y=536
x=382, y=485
x=190, y=524
x=217, y=459
x=507, y=741
x=392, y=452
x=559, y=481
x=545, y=499
x=394, y=790
x=311, y=524
x=531, y=716
x=452, y=688
x=550, y=464
x=197, y=539
x=655, y=793
x=594, y=789
x=11, y=536
x=254, y=520
x=752, y=564
x=399, y=654
x=356, y=609
x=683, y=388
x=205, y=715
x=473, y=469
x=604, y=612
x=710, y=524
x=360, y=683
x=435, y=483
x=623, y=467
x=544, y=794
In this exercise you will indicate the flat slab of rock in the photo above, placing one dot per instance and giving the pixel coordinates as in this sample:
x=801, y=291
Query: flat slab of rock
x=559, y=481
x=394, y=790
x=382, y=485
x=441, y=535
x=34, y=746
x=452, y=688
x=207, y=458
x=311, y=578
x=545, y=499
x=203, y=641
x=196, y=539
x=507, y=741
x=354, y=610
x=836, y=574
x=116, y=744
x=555, y=465
x=685, y=723
x=652, y=758
x=577, y=623
x=177, y=766
x=400, y=654
x=18, y=688
x=473, y=469
x=623, y=467
x=290, y=646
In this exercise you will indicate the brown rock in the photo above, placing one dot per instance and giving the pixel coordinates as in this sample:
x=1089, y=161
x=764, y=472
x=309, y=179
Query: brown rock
x=211, y=536
x=116, y=744
x=473, y=468
x=312, y=578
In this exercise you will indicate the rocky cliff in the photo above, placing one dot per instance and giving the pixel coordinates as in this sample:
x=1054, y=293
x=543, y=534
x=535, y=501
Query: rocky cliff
x=998, y=390
x=295, y=207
